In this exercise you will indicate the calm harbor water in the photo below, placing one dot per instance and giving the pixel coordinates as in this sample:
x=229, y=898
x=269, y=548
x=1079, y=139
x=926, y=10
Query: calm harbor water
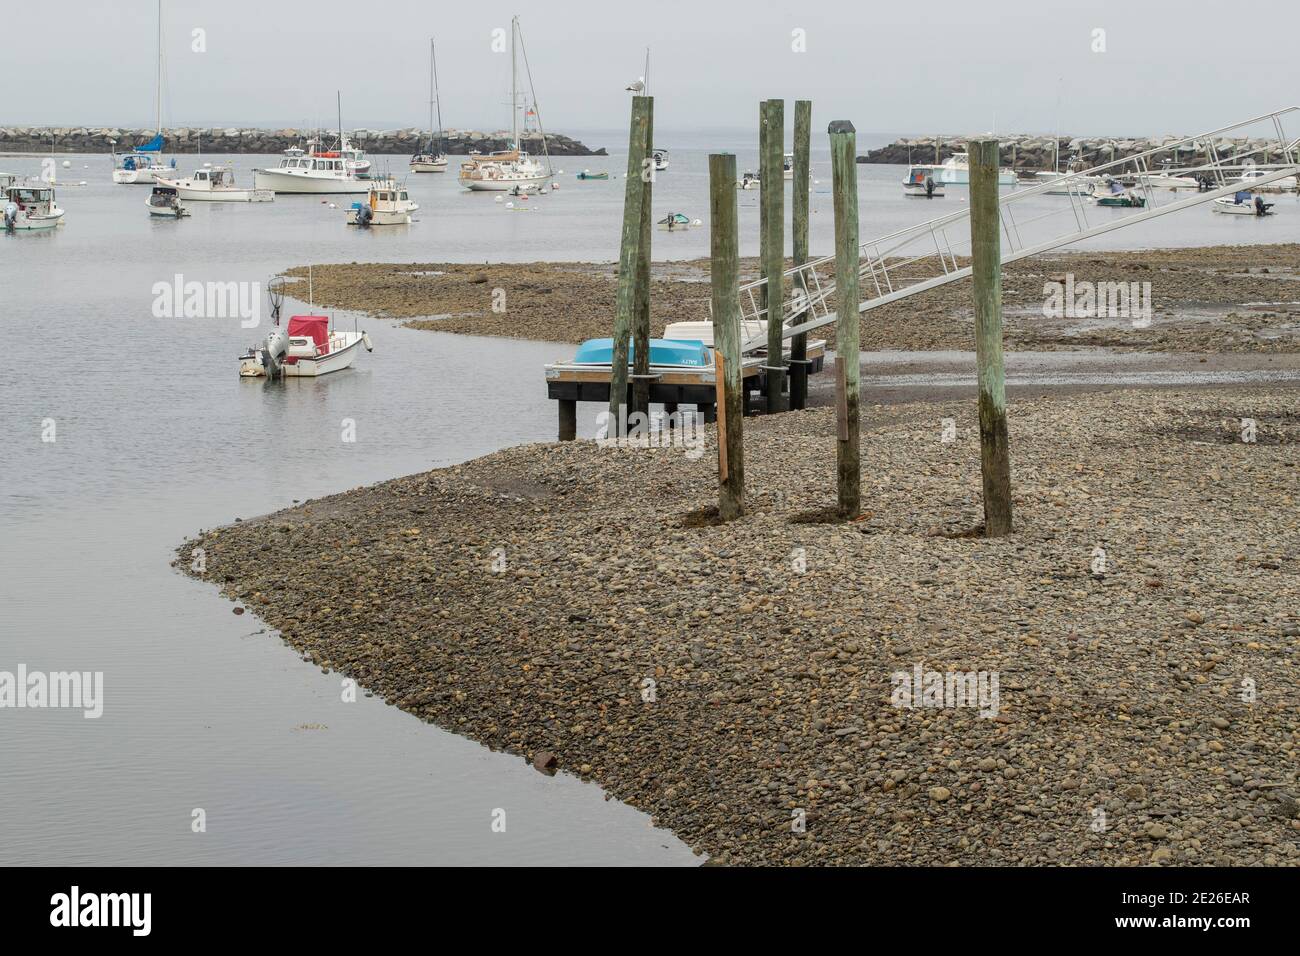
x=155, y=437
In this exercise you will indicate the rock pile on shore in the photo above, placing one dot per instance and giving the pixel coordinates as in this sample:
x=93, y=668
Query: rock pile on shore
x=1040, y=152
x=101, y=139
x=1217, y=299
x=740, y=682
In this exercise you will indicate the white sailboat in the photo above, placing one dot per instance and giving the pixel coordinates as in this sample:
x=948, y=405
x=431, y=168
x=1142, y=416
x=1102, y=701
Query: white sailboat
x=507, y=169
x=145, y=163
x=429, y=159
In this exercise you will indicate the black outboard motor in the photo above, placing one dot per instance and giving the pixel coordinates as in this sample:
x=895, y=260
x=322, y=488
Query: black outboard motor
x=1261, y=207
x=11, y=216
x=364, y=215
x=929, y=187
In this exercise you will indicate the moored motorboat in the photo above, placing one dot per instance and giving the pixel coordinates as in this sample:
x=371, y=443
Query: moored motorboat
x=164, y=203
x=1115, y=193
x=307, y=348
x=389, y=204
x=588, y=174
x=1242, y=203
x=324, y=173
x=678, y=222
x=920, y=181
x=748, y=180
x=28, y=206
x=215, y=184
x=660, y=158
x=955, y=171
x=787, y=166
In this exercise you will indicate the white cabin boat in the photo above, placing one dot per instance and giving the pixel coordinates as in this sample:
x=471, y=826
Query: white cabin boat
x=920, y=182
x=1284, y=185
x=748, y=180
x=955, y=171
x=660, y=157
x=1077, y=186
x=308, y=348
x=1242, y=203
x=164, y=203
x=324, y=173
x=355, y=157
x=27, y=206
x=787, y=166
x=215, y=184
x=388, y=204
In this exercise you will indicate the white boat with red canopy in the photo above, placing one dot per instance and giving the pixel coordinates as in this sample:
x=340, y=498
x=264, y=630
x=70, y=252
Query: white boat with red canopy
x=308, y=348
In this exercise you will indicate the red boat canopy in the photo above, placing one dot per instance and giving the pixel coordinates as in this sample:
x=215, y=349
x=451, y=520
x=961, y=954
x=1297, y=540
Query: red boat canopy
x=314, y=327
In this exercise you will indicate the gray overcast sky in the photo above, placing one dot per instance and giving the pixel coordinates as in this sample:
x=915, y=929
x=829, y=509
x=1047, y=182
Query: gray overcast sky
x=913, y=66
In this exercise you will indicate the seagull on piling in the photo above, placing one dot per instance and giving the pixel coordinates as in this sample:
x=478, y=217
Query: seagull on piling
x=636, y=87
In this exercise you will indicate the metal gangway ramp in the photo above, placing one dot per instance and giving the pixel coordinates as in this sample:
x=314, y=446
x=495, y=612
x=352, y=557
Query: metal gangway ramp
x=925, y=256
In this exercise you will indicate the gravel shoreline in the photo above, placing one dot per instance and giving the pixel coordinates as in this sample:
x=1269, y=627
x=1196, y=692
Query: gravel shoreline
x=526, y=599
x=1210, y=299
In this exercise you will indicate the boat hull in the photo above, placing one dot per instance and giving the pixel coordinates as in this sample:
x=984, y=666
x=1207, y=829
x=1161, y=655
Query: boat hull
x=135, y=177
x=918, y=189
x=1228, y=208
x=335, y=361
x=199, y=194
x=32, y=223
x=501, y=185
x=292, y=183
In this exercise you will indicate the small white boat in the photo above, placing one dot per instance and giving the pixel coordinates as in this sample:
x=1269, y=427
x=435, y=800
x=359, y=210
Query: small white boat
x=920, y=181
x=1242, y=204
x=307, y=349
x=1168, y=181
x=165, y=203
x=748, y=180
x=678, y=222
x=215, y=184
x=787, y=166
x=428, y=163
x=1078, y=186
x=1284, y=185
x=660, y=157
x=27, y=206
x=955, y=171
x=388, y=205
x=355, y=158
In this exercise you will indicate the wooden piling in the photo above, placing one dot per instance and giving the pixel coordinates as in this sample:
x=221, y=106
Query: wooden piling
x=629, y=253
x=641, y=304
x=724, y=251
x=986, y=269
x=568, y=419
x=844, y=173
x=799, y=227
x=772, y=243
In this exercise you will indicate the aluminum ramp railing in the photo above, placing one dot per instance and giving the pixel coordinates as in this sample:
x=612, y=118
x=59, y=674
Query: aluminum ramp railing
x=926, y=256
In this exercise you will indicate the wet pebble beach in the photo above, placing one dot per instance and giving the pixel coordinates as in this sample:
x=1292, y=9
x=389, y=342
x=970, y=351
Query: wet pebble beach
x=581, y=607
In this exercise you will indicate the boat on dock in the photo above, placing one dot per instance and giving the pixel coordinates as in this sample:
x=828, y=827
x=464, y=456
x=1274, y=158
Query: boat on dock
x=308, y=348
x=28, y=206
x=432, y=158
x=389, y=204
x=215, y=184
x=164, y=203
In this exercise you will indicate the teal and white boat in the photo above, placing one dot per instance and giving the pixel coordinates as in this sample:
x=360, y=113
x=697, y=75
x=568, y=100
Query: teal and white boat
x=675, y=353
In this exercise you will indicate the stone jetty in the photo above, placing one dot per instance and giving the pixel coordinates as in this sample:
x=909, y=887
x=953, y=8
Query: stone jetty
x=103, y=139
x=1027, y=152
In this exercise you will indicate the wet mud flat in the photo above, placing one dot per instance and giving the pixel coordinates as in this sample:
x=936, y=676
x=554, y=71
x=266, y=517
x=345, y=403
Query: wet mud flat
x=577, y=604
x=1209, y=299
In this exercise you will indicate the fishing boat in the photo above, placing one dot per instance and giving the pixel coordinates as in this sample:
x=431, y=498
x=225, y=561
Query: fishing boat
x=1117, y=194
x=354, y=156
x=660, y=157
x=677, y=222
x=1242, y=203
x=389, y=204
x=143, y=164
x=787, y=166
x=505, y=169
x=920, y=181
x=588, y=174
x=748, y=180
x=317, y=172
x=955, y=171
x=27, y=205
x=215, y=184
x=164, y=203
x=429, y=159
x=308, y=348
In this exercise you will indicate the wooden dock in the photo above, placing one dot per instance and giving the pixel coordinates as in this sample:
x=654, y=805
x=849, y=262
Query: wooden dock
x=673, y=386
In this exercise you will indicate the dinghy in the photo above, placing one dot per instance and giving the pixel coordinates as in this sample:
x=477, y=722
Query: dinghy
x=1242, y=203
x=588, y=174
x=676, y=222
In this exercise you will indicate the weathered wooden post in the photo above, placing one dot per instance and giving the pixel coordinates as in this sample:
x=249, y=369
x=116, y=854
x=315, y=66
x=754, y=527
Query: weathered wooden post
x=844, y=172
x=772, y=242
x=986, y=271
x=724, y=251
x=799, y=226
x=641, y=309
x=629, y=254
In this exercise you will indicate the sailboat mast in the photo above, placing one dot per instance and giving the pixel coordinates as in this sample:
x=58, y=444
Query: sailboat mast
x=430, y=88
x=339, y=96
x=437, y=95
x=514, y=87
x=157, y=86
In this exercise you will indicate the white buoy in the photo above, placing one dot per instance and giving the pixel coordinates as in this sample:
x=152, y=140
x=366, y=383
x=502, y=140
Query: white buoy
x=501, y=199
x=697, y=222
x=67, y=164
x=555, y=185
x=510, y=205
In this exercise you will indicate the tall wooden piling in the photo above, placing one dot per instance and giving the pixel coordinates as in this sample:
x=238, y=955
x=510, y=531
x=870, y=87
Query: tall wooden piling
x=986, y=268
x=629, y=254
x=772, y=243
x=724, y=251
x=641, y=305
x=799, y=226
x=844, y=173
